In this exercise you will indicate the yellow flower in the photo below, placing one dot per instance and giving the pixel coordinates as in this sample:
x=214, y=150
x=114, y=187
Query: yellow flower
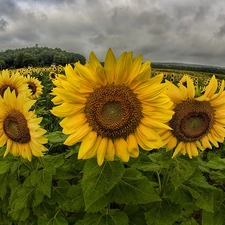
x=19, y=127
x=198, y=122
x=34, y=85
x=52, y=76
x=14, y=81
x=112, y=109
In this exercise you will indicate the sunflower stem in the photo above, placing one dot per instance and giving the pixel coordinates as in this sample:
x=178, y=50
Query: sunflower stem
x=41, y=161
x=160, y=184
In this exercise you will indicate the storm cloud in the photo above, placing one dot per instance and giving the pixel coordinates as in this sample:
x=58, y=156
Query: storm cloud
x=186, y=31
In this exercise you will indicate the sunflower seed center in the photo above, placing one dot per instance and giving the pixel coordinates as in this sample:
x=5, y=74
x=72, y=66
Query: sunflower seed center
x=32, y=87
x=192, y=120
x=113, y=111
x=5, y=86
x=15, y=127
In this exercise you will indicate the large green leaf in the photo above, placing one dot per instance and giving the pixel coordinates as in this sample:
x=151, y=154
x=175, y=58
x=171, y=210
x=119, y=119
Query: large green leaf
x=99, y=180
x=133, y=188
x=111, y=217
x=181, y=170
x=218, y=216
x=74, y=199
x=162, y=213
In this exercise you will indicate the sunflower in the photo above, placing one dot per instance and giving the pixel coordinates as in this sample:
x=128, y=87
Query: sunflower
x=19, y=127
x=14, y=81
x=34, y=85
x=198, y=121
x=52, y=76
x=112, y=109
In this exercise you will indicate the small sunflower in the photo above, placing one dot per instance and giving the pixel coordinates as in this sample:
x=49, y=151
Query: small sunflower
x=52, y=76
x=19, y=127
x=34, y=85
x=112, y=109
x=198, y=121
x=14, y=81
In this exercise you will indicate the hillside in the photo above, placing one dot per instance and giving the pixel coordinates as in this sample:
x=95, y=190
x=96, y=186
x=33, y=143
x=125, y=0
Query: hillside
x=37, y=57
x=189, y=67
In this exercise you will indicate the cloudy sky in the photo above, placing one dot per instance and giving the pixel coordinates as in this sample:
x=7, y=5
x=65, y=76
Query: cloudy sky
x=189, y=31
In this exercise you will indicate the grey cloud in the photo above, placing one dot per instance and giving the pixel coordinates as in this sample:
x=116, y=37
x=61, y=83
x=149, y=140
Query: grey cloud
x=9, y=8
x=3, y=24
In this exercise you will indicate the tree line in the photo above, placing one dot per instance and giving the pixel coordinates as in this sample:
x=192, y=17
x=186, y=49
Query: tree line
x=37, y=57
x=189, y=67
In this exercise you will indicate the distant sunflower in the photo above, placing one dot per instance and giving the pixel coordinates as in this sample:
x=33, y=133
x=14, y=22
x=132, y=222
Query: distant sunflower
x=19, y=127
x=14, y=81
x=52, y=76
x=113, y=109
x=198, y=121
x=34, y=85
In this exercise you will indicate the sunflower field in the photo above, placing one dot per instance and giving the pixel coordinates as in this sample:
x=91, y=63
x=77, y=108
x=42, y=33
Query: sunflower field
x=113, y=143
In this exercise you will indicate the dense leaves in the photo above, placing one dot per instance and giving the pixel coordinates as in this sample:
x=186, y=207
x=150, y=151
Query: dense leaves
x=37, y=57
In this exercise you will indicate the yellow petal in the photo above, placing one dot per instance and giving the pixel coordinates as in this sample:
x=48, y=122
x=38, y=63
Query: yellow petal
x=110, y=66
x=122, y=149
x=171, y=144
x=110, y=153
x=132, y=146
x=94, y=149
x=178, y=148
x=102, y=148
x=211, y=88
x=87, y=144
x=78, y=136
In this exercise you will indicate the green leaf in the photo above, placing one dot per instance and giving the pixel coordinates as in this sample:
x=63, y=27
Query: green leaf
x=133, y=188
x=56, y=138
x=135, y=214
x=44, y=182
x=74, y=199
x=218, y=217
x=99, y=180
x=4, y=166
x=162, y=213
x=215, y=162
x=188, y=194
x=180, y=171
x=57, y=220
x=112, y=217
x=4, y=184
x=20, y=214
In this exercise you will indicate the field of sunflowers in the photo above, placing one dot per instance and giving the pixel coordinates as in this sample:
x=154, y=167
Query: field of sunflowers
x=112, y=144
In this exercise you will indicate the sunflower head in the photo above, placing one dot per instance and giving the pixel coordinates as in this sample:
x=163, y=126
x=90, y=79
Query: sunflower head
x=198, y=121
x=20, y=129
x=52, y=75
x=13, y=81
x=112, y=109
x=34, y=86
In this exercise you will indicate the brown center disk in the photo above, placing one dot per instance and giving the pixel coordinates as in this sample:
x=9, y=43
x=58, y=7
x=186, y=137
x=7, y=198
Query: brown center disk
x=32, y=87
x=15, y=126
x=192, y=120
x=113, y=111
x=5, y=86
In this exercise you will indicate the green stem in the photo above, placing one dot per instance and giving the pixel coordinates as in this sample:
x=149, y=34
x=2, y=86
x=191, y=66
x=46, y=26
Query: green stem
x=160, y=183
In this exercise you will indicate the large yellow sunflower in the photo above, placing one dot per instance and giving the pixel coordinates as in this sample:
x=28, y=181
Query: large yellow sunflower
x=14, y=81
x=19, y=127
x=198, y=121
x=34, y=85
x=112, y=109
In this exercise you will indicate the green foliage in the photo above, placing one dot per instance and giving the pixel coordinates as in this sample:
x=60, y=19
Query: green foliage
x=38, y=57
x=153, y=189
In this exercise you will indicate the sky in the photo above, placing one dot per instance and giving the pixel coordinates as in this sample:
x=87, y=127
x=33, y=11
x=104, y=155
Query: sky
x=187, y=31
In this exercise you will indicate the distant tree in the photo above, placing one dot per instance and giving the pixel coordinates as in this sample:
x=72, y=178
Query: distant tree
x=38, y=56
x=28, y=60
x=18, y=60
x=2, y=64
